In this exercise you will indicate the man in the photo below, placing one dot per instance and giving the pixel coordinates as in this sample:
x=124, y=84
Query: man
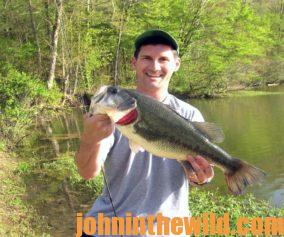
x=141, y=183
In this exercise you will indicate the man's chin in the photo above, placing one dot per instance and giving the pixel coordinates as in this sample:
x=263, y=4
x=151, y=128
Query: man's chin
x=154, y=81
x=153, y=85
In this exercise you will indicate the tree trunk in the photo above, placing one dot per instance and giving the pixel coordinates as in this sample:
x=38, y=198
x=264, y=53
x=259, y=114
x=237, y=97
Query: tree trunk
x=76, y=80
x=88, y=13
x=55, y=37
x=5, y=3
x=113, y=10
x=35, y=34
x=48, y=20
x=122, y=19
x=65, y=69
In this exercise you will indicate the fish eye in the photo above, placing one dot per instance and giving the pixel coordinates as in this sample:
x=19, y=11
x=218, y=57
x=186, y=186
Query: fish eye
x=112, y=90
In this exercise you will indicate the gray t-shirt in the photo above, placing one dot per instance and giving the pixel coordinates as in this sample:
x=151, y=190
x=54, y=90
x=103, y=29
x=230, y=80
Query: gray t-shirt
x=142, y=183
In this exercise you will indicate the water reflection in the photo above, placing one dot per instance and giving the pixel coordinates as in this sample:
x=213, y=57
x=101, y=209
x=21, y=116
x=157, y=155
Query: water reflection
x=61, y=134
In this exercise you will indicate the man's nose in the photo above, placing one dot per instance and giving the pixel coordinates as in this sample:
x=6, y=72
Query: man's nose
x=155, y=65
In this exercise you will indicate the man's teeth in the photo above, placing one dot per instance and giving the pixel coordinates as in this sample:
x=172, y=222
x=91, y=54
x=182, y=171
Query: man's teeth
x=149, y=75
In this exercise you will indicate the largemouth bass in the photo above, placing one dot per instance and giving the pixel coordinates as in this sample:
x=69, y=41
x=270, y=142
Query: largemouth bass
x=153, y=126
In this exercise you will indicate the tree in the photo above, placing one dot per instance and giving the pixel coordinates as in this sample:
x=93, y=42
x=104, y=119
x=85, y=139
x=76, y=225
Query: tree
x=35, y=33
x=55, y=37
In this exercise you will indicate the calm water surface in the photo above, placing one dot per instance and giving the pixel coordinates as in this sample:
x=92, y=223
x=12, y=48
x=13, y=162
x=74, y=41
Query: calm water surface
x=253, y=128
x=254, y=131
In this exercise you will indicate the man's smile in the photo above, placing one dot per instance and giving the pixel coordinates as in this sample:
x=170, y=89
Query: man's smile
x=153, y=75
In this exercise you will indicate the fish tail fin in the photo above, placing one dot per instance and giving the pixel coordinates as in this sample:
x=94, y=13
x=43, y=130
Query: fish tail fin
x=243, y=176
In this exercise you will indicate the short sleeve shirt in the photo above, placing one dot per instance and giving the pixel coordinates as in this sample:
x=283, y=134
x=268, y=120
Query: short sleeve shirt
x=141, y=183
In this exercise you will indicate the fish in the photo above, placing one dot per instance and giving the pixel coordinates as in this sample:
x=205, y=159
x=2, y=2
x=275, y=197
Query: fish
x=153, y=126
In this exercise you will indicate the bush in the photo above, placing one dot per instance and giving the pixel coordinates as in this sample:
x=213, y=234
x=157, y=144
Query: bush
x=201, y=201
x=22, y=97
x=19, y=90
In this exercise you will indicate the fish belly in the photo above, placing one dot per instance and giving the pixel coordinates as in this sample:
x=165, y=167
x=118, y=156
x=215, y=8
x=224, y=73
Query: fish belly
x=161, y=148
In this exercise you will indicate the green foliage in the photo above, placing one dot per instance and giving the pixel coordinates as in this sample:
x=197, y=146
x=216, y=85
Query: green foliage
x=222, y=42
x=2, y=146
x=18, y=90
x=22, y=98
x=201, y=202
x=228, y=34
x=24, y=167
x=99, y=48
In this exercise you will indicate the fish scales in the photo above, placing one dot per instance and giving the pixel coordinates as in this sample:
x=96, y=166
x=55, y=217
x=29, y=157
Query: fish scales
x=185, y=138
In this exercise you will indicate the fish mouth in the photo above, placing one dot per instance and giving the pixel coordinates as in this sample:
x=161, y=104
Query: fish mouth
x=127, y=104
x=97, y=98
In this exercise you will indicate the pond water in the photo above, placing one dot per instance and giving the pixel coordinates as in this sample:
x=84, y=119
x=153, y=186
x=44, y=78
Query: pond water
x=254, y=131
x=253, y=128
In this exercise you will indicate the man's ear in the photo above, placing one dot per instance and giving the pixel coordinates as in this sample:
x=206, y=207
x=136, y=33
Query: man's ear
x=133, y=63
x=177, y=64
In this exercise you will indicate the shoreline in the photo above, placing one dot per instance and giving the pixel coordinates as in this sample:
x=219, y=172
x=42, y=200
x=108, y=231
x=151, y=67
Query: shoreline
x=232, y=92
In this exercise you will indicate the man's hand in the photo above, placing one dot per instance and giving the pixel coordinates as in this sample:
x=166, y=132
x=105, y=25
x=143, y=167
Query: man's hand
x=96, y=128
x=203, y=170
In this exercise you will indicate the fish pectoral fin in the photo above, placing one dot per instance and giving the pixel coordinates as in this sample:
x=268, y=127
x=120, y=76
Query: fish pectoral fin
x=210, y=130
x=134, y=147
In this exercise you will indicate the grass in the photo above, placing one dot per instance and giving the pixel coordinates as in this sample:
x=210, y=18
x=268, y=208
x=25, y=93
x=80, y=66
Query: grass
x=17, y=218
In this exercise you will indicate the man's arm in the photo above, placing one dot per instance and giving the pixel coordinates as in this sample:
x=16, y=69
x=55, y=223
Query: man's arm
x=92, y=150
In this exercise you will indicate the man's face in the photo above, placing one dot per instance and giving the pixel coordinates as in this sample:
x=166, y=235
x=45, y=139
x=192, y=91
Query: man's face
x=154, y=67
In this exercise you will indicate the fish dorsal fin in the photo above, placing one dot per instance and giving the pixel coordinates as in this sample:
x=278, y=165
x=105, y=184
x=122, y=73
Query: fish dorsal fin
x=210, y=130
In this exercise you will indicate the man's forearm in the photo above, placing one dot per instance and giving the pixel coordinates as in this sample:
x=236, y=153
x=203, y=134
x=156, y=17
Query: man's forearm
x=92, y=151
x=87, y=160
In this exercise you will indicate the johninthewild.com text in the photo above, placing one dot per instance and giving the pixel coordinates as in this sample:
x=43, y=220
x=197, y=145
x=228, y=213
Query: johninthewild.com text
x=206, y=224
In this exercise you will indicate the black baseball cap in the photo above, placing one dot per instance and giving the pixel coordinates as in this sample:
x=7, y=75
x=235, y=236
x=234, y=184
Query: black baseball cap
x=155, y=37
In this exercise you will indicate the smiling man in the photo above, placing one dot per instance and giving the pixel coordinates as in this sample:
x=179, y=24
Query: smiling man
x=142, y=184
x=154, y=66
